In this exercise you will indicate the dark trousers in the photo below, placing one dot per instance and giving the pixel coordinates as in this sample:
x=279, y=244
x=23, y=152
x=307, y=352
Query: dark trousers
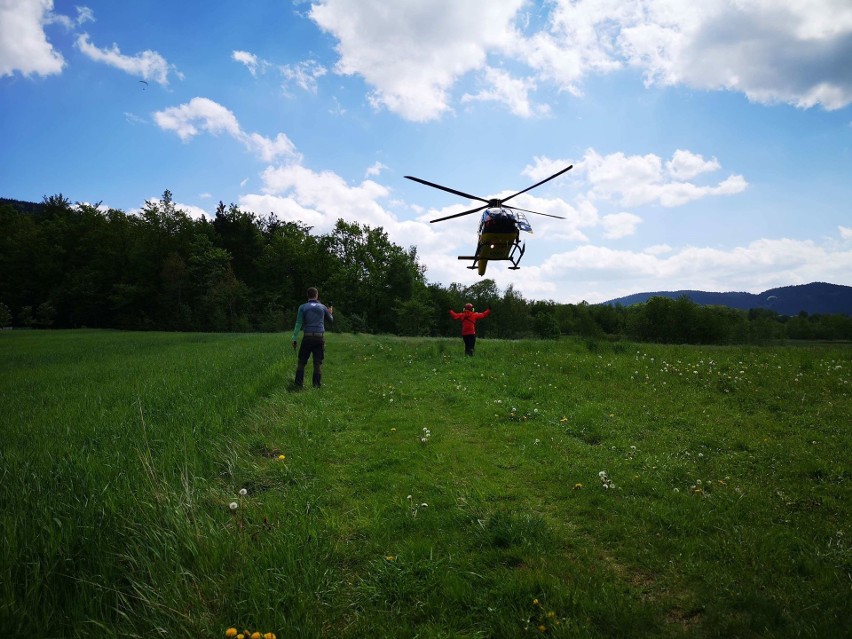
x=311, y=346
x=469, y=344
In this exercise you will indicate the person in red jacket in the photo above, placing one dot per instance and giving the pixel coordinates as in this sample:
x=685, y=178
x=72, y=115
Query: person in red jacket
x=468, y=319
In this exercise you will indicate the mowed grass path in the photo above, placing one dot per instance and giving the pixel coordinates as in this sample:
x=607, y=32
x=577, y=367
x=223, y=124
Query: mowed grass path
x=724, y=508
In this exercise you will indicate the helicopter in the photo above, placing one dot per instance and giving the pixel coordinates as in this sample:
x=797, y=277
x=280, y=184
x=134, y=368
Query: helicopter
x=499, y=226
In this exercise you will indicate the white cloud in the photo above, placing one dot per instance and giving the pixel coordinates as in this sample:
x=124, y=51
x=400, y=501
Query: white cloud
x=618, y=225
x=593, y=273
x=248, y=59
x=304, y=74
x=133, y=118
x=845, y=232
x=755, y=267
x=287, y=209
x=510, y=91
x=780, y=51
x=195, y=212
x=413, y=53
x=544, y=167
x=212, y=117
x=23, y=43
x=329, y=193
x=84, y=14
x=148, y=65
x=636, y=180
x=209, y=115
x=376, y=169
x=685, y=165
x=658, y=249
x=268, y=150
x=296, y=193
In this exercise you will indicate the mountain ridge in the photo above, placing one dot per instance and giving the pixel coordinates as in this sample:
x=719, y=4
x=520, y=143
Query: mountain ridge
x=815, y=298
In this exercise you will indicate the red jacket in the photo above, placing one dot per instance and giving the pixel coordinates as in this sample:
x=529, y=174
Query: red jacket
x=468, y=319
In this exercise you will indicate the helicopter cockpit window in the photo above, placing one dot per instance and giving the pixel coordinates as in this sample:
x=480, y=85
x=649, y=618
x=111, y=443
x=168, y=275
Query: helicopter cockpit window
x=497, y=221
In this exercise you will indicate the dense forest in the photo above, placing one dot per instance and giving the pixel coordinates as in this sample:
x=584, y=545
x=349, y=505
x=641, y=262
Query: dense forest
x=65, y=265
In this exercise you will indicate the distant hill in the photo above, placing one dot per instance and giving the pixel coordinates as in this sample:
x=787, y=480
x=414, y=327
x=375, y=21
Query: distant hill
x=23, y=207
x=814, y=298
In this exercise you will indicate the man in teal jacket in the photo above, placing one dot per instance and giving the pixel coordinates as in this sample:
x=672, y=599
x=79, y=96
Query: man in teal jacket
x=311, y=321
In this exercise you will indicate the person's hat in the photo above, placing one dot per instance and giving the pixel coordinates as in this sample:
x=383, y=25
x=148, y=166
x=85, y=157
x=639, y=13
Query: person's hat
x=468, y=306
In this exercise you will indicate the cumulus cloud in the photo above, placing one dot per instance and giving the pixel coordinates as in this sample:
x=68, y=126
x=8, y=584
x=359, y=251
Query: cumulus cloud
x=587, y=272
x=639, y=179
x=782, y=51
x=148, y=65
x=203, y=114
x=303, y=74
x=248, y=59
x=510, y=91
x=376, y=169
x=23, y=44
x=413, y=53
x=619, y=225
x=318, y=199
x=195, y=212
x=845, y=232
x=685, y=165
x=756, y=266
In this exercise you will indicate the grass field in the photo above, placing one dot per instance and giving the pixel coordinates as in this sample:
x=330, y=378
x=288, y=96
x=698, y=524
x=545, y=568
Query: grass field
x=564, y=489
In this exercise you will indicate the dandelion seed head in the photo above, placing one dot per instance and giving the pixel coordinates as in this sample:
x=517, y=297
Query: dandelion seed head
x=233, y=505
x=243, y=492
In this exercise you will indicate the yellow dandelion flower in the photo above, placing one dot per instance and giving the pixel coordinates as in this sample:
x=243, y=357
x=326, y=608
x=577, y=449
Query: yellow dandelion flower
x=551, y=615
x=241, y=636
x=578, y=486
x=393, y=430
x=231, y=632
x=390, y=558
x=269, y=635
x=535, y=602
x=542, y=628
x=281, y=458
x=564, y=419
x=255, y=635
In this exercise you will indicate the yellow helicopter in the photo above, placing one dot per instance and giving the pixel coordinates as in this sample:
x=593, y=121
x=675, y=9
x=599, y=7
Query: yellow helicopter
x=499, y=227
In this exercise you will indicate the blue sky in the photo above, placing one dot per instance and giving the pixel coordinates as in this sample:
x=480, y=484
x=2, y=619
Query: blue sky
x=711, y=142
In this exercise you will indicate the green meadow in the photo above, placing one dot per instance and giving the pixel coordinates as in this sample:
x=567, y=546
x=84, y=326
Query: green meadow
x=542, y=488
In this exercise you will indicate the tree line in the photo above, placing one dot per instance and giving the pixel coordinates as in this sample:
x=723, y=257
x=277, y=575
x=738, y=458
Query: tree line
x=65, y=265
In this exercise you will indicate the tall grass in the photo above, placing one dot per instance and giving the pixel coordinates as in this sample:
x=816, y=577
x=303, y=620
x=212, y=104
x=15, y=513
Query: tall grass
x=723, y=511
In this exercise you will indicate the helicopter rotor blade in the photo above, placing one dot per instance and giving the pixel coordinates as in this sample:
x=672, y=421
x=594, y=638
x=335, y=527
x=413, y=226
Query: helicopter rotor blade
x=447, y=189
x=449, y=217
x=529, y=188
x=517, y=208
